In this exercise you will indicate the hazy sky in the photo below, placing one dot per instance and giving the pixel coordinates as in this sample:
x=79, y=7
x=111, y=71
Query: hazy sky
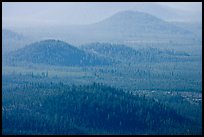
x=190, y=6
x=16, y=14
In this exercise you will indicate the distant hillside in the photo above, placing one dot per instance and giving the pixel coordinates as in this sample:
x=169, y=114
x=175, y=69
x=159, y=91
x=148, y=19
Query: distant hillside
x=127, y=54
x=194, y=27
x=11, y=34
x=12, y=40
x=53, y=52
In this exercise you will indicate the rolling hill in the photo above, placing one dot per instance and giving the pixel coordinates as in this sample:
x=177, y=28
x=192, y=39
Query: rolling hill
x=53, y=52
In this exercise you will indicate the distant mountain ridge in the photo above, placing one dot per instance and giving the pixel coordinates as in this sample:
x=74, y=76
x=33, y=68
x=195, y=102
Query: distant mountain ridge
x=128, y=26
x=136, y=23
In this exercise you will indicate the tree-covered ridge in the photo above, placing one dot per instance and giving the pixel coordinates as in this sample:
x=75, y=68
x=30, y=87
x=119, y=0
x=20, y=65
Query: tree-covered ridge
x=57, y=108
x=60, y=53
x=53, y=52
x=126, y=54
